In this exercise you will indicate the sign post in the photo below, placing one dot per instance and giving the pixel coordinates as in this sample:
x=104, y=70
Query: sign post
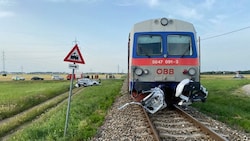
x=75, y=57
x=69, y=99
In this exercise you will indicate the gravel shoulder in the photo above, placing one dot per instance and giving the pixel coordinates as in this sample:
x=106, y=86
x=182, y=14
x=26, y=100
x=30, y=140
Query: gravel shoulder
x=125, y=124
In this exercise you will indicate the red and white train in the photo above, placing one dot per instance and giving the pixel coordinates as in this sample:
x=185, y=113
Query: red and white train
x=164, y=64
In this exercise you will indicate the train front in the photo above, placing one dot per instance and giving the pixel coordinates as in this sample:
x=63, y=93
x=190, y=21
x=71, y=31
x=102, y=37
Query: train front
x=164, y=64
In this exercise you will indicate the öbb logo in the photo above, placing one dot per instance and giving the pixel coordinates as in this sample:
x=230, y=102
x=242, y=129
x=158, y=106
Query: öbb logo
x=165, y=71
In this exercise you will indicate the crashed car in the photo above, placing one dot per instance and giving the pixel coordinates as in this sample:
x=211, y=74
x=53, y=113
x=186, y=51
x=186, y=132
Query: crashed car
x=85, y=82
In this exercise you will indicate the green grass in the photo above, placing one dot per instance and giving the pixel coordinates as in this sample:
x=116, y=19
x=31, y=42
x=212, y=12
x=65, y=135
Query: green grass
x=24, y=117
x=226, y=101
x=17, y=96
x=87, y=113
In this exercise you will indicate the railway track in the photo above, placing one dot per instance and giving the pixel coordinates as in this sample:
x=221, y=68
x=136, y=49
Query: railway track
x=178, y=125
x=132, y=124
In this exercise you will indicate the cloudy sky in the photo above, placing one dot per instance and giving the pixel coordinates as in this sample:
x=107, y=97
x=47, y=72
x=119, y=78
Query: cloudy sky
x=36, y=35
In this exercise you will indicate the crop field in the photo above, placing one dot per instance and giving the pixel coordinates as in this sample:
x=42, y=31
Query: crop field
x=28, y=76
x=48, y=76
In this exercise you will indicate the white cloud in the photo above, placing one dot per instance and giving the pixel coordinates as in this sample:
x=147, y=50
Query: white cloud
x=188, y=12
x=177, y=9
x=4, y=14
x=153, y=3
x=5, y=4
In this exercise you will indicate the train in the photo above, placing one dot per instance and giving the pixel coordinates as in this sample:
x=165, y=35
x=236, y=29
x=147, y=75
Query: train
x=164, y=64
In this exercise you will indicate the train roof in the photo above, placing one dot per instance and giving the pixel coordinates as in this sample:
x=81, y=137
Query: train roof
x=169, y=25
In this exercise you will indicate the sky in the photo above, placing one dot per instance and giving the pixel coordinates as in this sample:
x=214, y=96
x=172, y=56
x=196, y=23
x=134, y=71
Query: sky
x=36, y=35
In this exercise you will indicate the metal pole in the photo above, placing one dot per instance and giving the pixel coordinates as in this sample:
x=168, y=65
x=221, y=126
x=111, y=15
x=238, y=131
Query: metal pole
x=69, y=99
x=199, y=57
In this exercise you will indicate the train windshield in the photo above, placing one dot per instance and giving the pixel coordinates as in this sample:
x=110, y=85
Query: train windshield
x=179, y=45
x=149, y=45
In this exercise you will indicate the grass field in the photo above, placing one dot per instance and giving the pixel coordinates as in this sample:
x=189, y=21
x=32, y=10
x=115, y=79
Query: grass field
x=18, y=96
x=226, y=101
x=88, y=110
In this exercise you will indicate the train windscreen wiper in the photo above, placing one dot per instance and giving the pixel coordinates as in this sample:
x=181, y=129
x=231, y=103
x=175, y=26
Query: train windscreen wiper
x=149, y=56
x=188, y=49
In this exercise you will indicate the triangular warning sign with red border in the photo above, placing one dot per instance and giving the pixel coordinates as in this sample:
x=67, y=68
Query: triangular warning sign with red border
x=74, y=56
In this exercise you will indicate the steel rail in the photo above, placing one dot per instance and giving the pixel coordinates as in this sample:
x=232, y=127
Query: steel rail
x=205, y=129
x=152, y=127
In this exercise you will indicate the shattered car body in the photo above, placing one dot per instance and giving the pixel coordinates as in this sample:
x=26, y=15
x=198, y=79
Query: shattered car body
x=154, y=99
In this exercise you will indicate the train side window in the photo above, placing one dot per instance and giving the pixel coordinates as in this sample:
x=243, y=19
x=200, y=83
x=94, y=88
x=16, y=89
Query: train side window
x=149, y=45
x=179, y=45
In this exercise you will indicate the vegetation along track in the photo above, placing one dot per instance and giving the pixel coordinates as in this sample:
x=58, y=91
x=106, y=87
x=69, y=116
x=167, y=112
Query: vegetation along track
x=10, y=125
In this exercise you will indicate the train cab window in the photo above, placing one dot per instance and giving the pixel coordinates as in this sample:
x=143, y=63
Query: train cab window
x=179, y=45
x=149, y=45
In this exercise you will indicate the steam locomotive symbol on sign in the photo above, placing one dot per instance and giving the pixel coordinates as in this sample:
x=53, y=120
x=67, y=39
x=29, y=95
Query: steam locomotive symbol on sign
x=74, y=56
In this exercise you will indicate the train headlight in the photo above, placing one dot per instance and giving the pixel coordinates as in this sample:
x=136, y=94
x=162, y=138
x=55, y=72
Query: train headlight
x=164, y=21
x=192, y=71
x=138, y=71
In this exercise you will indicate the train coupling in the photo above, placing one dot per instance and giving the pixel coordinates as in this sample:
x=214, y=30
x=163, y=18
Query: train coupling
x=189, y=92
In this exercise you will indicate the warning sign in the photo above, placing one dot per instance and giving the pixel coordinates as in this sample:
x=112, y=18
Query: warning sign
x=74, y=56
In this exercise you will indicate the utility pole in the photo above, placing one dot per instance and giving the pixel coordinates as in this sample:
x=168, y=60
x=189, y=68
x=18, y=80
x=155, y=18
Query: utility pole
x=3, y=62
x=3, y=72
x=22, y=70
x=118, y=69
x=75, y=42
